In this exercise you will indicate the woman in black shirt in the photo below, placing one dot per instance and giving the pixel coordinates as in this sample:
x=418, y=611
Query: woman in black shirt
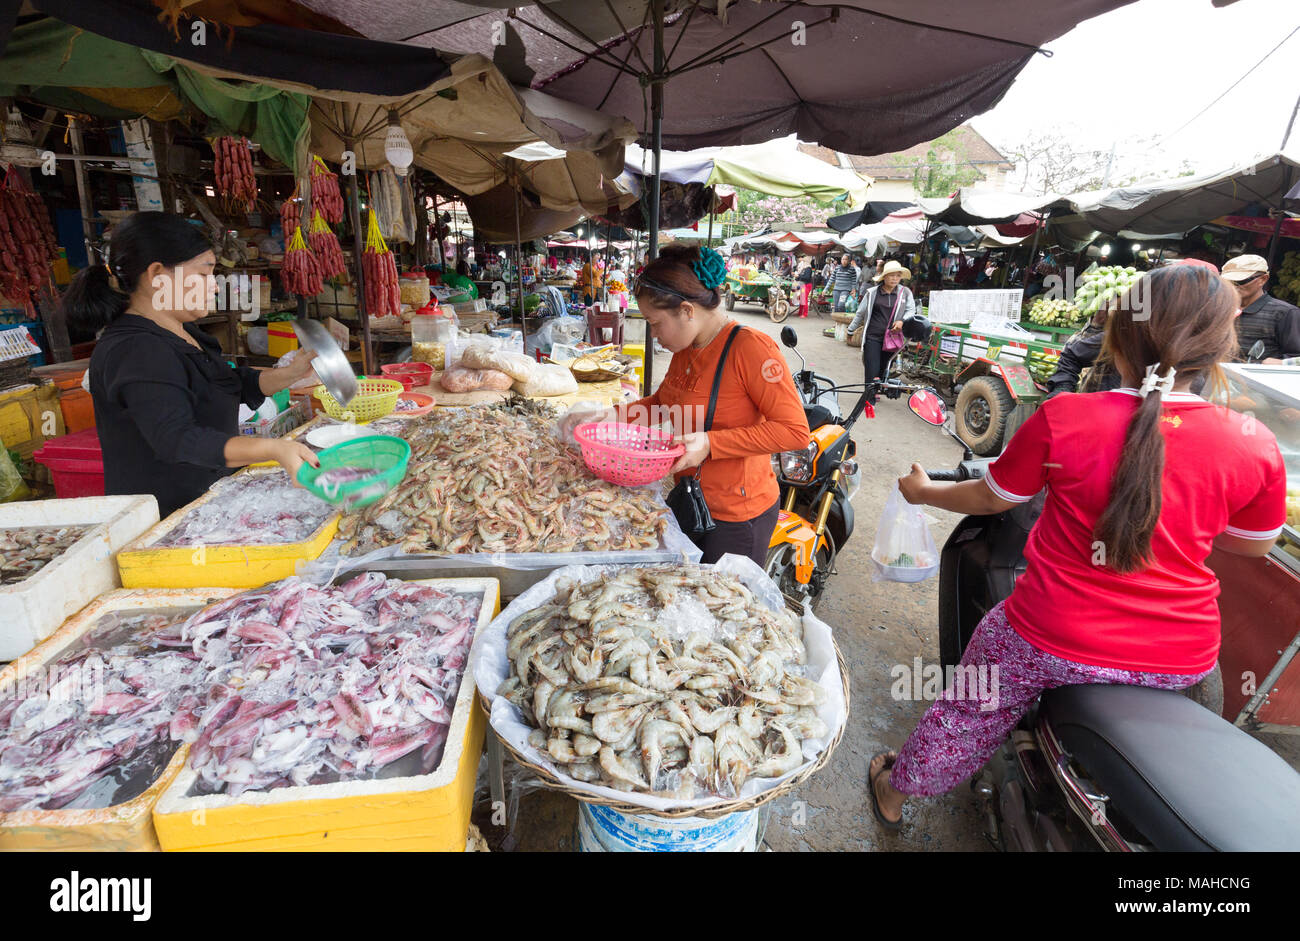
x=166, y=400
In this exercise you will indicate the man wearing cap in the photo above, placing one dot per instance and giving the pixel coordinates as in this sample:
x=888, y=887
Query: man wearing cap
x=883, y=309
x=1263, y=317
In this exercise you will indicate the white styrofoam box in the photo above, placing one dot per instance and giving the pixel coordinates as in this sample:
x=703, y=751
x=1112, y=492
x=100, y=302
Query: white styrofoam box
x=31, y=609
x=961, y=306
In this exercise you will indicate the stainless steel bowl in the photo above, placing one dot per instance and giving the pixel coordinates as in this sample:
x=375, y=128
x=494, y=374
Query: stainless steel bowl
x=330, y=363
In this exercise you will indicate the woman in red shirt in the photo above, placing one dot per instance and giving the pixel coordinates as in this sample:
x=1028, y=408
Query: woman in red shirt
x=758, y=412
x=1142, y=482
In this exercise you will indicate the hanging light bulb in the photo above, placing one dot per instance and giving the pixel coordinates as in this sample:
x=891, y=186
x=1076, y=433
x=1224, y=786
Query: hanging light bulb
x=18, y=147
x=397, y=148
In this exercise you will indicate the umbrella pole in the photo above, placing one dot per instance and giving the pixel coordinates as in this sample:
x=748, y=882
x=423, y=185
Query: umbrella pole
x=657, y=145
x=709, y=243
x=519, y=273
x=1033, y=253
x=357, y=248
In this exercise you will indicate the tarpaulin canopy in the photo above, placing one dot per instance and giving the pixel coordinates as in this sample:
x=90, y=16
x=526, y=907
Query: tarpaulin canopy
x=874, y=211
x=974, y=206
x=464, y=118
x=777, y=168
x=63, y=66
x=1181, y=204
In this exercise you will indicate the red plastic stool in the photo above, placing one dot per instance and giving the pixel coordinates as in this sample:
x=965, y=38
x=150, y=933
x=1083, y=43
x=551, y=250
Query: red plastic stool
x=598, y=322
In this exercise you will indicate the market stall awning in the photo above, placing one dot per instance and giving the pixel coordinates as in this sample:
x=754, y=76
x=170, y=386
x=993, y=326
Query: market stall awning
x=974, y=206
x=872, y=212
x=777, y=168
x=1183, y=203
x=465, y=120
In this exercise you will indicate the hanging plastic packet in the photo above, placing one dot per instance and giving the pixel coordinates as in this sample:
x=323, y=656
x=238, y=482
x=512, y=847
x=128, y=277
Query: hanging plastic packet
x=905, y=550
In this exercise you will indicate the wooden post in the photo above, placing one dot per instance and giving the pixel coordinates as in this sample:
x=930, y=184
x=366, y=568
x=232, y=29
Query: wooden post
x=83, y=190
x=367, y=354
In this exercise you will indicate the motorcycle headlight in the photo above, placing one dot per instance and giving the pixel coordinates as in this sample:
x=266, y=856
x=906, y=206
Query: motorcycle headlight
x=852, y=478
x=797, y=466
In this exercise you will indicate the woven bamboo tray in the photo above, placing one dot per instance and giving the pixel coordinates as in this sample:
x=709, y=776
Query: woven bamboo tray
x=720, y=809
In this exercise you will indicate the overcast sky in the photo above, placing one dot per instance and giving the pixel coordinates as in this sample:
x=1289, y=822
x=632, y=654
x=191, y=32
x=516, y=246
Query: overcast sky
x=1147, y=68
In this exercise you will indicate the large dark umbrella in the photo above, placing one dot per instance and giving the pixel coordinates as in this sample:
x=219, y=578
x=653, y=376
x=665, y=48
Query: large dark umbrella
x=864, y=77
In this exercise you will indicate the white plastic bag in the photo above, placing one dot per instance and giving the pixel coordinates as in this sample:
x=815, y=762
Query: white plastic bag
x=481, y=355
x=548, y=379
x=904, y=549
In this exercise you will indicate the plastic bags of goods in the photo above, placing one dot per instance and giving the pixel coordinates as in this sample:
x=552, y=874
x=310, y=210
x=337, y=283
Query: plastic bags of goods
x=301, y=270
x=233, y=168
x=325, y=246
x=325, y=196
x=27, y=243
x=904, y=549
x=383, y=296
x=548, y=379
x=462, y=378
x=486, y=356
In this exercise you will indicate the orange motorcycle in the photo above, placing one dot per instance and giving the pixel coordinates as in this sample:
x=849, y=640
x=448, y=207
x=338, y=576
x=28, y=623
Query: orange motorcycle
x=818, y=482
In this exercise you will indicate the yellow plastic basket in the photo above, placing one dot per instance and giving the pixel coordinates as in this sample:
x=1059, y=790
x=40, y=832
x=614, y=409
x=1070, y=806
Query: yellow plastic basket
x=375, y=398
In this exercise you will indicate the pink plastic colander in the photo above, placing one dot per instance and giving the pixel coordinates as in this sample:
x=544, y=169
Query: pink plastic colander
x=627, y=455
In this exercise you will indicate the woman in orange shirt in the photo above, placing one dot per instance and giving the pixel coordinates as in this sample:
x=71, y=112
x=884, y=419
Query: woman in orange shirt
x=758, y=413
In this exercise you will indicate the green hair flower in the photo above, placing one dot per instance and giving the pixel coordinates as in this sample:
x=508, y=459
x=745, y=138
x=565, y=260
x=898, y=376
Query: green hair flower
x=710, y=269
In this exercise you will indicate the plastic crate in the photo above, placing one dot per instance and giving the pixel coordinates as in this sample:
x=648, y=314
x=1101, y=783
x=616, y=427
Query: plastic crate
x=299, y=413
x=17, y=343
x=76, y=464
x=421, y=813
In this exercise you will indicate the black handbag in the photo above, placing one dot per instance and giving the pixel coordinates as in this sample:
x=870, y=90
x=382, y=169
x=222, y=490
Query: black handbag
x=686, y=500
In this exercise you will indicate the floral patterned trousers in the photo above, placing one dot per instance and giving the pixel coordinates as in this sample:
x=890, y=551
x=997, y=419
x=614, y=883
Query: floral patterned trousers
x=962, y=729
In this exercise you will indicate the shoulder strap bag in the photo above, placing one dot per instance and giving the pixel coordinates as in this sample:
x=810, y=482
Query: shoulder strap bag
x=686, y=500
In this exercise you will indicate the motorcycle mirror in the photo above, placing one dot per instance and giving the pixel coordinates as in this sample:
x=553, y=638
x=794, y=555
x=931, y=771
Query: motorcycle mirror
x=789, y=337
x=927, y=406
x=1253, y=355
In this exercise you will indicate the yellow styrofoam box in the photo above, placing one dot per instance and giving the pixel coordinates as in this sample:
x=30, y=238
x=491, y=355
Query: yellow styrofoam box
x=141, y=566
x=122, y=827
x=423, y=812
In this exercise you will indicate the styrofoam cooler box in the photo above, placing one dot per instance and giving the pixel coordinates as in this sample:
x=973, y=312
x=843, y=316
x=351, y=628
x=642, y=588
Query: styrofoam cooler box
x=31, y=609
x=428, y=812
x=121, y=827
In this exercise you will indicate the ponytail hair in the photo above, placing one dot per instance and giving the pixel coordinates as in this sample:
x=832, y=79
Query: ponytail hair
x=99, y=294
x=1182, y=318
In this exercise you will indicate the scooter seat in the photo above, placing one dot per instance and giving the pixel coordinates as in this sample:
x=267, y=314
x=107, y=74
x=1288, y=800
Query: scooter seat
x=1186, y=777
x=818, y=415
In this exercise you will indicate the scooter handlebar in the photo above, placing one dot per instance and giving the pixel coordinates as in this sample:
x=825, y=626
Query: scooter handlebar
x=942, y=475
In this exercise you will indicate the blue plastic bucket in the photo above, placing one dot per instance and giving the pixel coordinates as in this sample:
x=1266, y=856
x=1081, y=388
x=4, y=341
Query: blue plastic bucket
x=602, y=830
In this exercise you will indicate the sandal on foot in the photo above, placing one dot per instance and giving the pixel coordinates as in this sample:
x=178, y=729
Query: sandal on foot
x=890, y=757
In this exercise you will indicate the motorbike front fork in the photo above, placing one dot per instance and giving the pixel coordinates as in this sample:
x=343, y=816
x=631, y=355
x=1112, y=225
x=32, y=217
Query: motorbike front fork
x=823, y=510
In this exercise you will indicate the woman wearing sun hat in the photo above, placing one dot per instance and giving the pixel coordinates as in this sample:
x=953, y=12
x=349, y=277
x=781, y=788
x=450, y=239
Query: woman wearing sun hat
x=883, y=309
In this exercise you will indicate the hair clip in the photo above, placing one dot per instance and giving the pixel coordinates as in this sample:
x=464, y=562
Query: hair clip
x=1153, y=383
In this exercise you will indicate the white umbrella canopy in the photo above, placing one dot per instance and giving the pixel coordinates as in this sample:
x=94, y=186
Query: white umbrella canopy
x=776, y=168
